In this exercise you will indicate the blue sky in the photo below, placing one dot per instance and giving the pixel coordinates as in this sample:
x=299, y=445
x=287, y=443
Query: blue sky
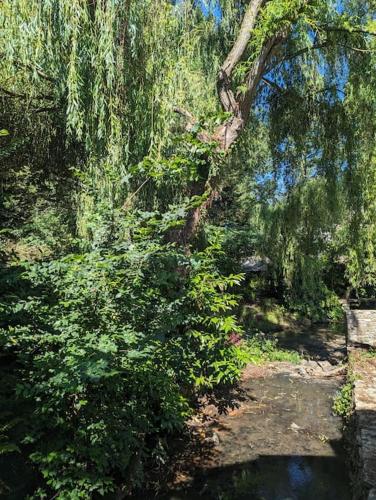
x=208, y=7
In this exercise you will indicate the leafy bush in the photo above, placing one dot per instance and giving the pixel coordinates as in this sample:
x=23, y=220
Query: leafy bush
x=343, y=401
x=320, y=305
x=110, y=347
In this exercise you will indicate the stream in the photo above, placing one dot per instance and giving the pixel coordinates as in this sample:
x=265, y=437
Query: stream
x=282, y=442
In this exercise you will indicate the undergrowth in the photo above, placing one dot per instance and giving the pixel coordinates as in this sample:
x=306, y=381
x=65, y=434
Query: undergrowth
x=343, y=400
x=258, y=349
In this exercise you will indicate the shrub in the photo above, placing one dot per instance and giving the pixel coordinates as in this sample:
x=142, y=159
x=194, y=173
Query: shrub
x=343, y=401
x=110, y=347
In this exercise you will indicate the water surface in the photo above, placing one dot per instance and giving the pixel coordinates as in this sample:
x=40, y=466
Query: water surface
x=283, y=443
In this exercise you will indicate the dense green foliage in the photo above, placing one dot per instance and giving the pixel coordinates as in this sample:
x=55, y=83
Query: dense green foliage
x=110, y=327
x=106, y=345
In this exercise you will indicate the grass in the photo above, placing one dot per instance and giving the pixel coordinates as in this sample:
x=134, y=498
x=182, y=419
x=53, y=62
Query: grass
x=267, y=317
x=259, y=350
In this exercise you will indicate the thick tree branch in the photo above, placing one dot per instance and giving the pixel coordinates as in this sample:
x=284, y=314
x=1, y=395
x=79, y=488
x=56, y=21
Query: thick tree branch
x=191, y=120
x=255, y=74
x=191, y=123
x=225, y=92
x=241, y=43
x=227, y=133
x=237, y=105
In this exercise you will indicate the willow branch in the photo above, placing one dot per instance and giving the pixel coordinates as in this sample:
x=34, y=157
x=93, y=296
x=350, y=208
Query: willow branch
x=349, y=31
x=241, y=43
x=130, y=198
x=304, y=50
x=38, y=71
x=273, y=85
x=185, y=114
x=357, y=49
x=15, y=95
x=45, y=109
x=191, y=123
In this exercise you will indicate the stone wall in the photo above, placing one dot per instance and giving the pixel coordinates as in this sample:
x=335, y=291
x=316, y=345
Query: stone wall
x=361, y=339
x=361, y=327
x=364, y=369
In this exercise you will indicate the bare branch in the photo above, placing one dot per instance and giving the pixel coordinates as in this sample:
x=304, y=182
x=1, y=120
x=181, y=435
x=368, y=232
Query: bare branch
x=304, y=50
x=357, y=49
x=45, y=110
x=130, y=198
x=313, y=47
x=186, y=114
x=273, y=85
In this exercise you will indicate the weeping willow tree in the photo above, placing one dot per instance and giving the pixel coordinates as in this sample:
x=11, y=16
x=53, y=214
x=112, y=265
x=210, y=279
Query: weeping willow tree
x=116, y=72
x=360, y=168
x=109, y=73
x=120, y=82
x=323, y=211
x=317, y=155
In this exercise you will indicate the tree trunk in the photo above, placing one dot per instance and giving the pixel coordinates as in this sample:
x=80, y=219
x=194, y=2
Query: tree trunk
x=238, y=105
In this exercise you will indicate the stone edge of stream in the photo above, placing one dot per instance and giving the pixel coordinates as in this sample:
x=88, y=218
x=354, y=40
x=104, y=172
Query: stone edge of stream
x=361, y=340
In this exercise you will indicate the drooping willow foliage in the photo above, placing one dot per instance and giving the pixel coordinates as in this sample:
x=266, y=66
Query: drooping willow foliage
x=360, y=105
x=111, y=72
x=315, y=172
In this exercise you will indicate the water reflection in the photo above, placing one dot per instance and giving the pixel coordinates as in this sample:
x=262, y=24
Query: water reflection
x=273, y=478
x=284, y=444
